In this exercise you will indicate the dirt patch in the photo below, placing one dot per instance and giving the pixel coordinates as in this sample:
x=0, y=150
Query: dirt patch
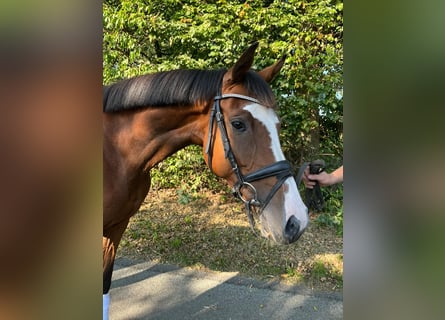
x=211, y=231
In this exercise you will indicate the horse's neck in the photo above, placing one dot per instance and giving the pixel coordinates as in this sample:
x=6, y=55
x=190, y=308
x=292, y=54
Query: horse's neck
x=147, y=137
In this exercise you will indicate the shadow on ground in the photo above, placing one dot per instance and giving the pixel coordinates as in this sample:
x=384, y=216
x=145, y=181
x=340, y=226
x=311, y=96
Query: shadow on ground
x=151, y=291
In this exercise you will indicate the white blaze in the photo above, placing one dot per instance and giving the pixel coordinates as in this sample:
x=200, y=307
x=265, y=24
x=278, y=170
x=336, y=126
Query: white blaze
x=269, y=119
x=292, y=201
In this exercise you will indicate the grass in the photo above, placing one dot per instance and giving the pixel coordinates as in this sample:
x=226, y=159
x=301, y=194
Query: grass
x=328, y=267
x=211, y=231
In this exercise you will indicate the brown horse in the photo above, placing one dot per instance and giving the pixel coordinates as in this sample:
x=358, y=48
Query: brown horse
x=231, y=113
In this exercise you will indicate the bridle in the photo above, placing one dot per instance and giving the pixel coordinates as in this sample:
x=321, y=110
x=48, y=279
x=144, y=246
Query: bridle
x=281, y=169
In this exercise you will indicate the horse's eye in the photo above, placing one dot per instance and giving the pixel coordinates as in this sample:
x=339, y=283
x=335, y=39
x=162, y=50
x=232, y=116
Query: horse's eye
x=239, y=125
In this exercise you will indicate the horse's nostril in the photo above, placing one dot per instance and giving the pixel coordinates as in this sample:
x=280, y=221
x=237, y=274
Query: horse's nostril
x=292, y=230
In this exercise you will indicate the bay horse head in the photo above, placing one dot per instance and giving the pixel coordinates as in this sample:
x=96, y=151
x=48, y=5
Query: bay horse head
x=242, y=146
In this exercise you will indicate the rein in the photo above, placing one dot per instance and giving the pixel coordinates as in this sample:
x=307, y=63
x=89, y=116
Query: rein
x=281, y=169
x=313, y=197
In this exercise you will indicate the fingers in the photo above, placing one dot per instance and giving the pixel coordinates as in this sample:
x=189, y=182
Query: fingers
x=307, y=180
x=322, y=178
x=309, y=184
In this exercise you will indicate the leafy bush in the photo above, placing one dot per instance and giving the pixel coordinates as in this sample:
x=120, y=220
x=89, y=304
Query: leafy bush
x=143, y=36
x=186, y=170
x=332, y=214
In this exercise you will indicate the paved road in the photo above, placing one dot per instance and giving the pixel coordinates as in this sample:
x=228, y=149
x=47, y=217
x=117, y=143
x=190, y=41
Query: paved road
x=151, y=291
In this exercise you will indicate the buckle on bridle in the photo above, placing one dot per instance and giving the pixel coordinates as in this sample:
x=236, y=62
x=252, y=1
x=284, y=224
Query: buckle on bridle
x=237, y=192
x=250, y=204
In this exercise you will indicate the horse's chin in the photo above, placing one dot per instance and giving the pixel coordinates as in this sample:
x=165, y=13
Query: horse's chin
x=276, y=233
x=268, y=234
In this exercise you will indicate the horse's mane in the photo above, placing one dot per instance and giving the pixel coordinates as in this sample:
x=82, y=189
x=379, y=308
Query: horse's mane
x=175, y=88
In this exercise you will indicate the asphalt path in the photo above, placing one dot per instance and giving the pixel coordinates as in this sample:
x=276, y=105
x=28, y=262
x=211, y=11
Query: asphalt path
x=152, y=291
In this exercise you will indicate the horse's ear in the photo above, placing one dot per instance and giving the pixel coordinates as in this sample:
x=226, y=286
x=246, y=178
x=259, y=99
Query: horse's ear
x=239, y=70
x=270, y=72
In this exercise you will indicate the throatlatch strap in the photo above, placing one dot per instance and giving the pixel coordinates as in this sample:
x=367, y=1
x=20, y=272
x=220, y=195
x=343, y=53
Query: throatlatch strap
x=209, y=148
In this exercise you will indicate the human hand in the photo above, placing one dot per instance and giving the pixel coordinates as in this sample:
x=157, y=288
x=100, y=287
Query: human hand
x=323, y=178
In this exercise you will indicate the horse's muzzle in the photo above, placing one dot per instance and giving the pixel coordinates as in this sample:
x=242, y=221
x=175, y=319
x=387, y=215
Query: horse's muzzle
x=292, y=231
